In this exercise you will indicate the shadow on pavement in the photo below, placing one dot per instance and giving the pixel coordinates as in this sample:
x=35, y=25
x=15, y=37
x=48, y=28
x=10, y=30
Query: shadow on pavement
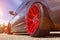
x=51, y=36
x=47, y=36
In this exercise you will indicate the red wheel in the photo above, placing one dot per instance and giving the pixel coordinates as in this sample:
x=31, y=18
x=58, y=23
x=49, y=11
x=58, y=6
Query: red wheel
x=34, y=20
x=8, y=28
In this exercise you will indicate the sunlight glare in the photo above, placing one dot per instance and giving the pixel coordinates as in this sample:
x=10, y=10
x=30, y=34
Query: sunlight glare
x=4, y=22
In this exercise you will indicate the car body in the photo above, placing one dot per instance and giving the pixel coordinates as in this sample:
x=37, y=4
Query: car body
x=49, y=17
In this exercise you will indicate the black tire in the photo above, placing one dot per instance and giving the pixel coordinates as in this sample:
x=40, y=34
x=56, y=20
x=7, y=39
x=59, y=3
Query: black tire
x=44, y=25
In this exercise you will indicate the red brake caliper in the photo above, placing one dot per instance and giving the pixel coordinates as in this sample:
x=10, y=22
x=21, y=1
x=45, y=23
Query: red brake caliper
x=33, y=19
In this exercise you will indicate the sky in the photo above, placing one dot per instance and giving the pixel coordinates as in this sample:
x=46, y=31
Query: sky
x=5, y=7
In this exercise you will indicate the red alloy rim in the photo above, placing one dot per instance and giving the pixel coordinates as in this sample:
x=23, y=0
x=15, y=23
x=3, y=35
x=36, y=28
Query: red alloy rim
x=8, y=28
x=33, y=19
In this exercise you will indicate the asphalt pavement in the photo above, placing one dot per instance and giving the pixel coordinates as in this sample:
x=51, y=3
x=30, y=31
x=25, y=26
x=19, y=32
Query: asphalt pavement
x=25, y=37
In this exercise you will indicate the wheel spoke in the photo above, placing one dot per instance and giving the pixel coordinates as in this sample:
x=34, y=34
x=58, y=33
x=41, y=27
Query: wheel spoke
x=30, y=20
x=31, y=13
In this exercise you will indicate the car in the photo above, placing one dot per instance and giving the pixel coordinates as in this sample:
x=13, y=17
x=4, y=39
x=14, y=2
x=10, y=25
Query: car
x=39, y=17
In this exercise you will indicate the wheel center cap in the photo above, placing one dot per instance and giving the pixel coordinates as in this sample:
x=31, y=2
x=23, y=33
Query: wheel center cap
x=35, y=19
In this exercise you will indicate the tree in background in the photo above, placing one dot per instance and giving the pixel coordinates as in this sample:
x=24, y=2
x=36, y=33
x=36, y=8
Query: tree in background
x=2, y=28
